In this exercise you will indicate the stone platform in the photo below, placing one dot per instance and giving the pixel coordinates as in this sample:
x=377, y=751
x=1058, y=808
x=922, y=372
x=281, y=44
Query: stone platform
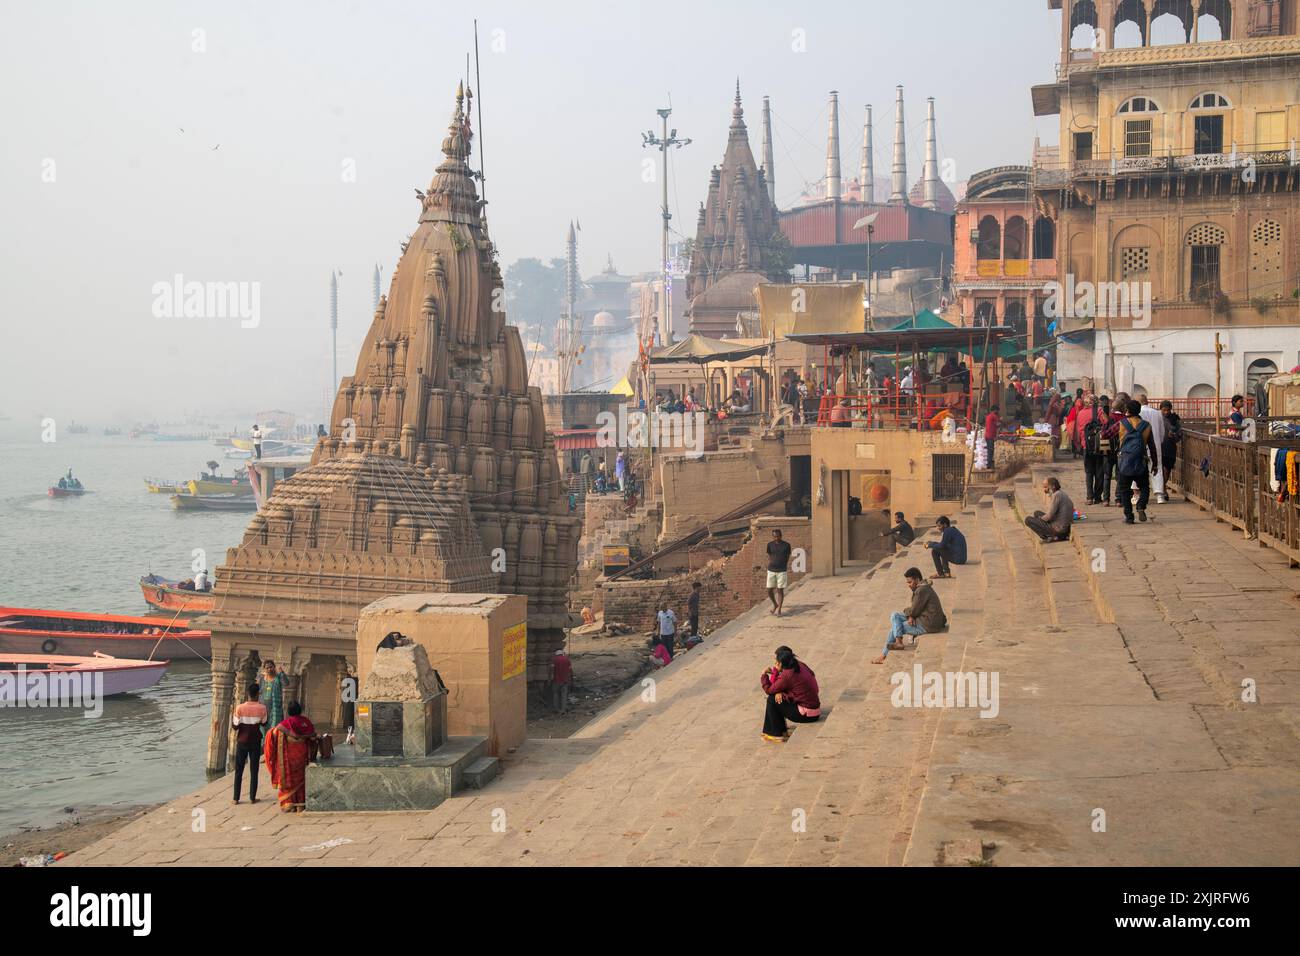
x=353, y=781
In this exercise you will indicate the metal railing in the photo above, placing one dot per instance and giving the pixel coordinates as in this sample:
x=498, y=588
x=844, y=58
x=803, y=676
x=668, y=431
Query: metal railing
x=1234, y=480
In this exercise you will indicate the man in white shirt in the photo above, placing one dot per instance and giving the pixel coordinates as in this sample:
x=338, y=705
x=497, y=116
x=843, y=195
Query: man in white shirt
x=667, y=627
x=257, y=440
x=1153, y=418
x=201, y=580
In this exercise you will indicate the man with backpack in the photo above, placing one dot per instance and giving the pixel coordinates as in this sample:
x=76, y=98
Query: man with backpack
x=1139, y=459
x=1091, y=426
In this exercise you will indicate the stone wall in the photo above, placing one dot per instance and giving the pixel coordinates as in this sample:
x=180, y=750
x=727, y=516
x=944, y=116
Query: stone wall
x=729, y=586
x=699, y=490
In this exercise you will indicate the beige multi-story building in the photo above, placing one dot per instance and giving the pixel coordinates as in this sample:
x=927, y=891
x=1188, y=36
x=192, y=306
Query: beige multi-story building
x=1177, y=171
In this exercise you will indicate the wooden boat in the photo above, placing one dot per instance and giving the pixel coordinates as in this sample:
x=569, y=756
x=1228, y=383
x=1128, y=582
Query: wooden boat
x=170, y=596
x=62, y=684
x=214, y=503
x=163, y=486
x=54, y=491
x=25, y=630
x=210, y=485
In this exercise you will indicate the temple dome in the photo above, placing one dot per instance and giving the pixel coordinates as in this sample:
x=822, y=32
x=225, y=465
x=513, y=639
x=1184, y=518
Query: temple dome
x=603, y=320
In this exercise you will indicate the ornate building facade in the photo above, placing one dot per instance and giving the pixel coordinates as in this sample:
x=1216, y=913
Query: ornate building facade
x=1177, y=170
x=438, y=474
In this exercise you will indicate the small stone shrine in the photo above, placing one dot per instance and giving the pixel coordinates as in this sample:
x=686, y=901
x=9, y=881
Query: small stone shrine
x=403, y=758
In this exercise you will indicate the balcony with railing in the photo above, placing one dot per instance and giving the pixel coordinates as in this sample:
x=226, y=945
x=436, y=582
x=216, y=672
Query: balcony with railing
x=1050, y=170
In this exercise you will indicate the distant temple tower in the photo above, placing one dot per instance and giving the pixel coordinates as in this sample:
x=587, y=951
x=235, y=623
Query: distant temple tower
x=735, y=236
x=438, y=474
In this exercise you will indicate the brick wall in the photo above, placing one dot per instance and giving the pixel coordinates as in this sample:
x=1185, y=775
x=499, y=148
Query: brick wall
x=729, y=586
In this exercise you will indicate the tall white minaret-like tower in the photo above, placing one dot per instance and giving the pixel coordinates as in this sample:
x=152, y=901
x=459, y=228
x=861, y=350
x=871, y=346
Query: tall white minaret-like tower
x=833, y=149
x=867, y=171
x=768, y=175
x=374, y=292
x=930, y=182
x=898, y=191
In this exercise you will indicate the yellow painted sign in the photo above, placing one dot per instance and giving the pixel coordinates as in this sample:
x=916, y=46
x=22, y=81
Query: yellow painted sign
x=514, y=651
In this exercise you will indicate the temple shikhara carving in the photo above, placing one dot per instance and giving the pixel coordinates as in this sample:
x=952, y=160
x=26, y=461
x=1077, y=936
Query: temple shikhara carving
x=438, y=474
x=735, y=237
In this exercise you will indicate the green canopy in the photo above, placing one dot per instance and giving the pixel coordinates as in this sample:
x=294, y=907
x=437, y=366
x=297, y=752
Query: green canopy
x=925, y=319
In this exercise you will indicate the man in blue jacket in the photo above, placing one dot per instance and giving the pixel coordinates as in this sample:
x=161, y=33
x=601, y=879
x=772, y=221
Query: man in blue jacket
x=949, y=549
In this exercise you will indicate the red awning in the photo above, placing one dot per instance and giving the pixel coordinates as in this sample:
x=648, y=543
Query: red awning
x=575, y=439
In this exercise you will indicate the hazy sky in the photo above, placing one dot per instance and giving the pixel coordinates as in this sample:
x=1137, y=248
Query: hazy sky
x=102, y=195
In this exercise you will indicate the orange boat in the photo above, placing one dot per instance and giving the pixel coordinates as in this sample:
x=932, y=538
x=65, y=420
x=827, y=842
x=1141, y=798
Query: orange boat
x=170, y=596
x=26, y=630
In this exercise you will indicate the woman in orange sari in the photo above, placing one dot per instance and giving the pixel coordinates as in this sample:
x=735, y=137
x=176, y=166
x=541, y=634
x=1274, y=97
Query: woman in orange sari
x=287, y=750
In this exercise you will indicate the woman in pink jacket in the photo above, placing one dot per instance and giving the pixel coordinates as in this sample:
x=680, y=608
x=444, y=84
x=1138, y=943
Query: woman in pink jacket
x=792, y=695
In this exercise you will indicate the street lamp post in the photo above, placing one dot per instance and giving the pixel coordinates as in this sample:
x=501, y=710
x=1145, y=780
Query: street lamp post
x=669, y=139
x=869, y=223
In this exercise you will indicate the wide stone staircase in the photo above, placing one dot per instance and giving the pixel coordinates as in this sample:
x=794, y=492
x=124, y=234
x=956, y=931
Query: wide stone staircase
x=1121, y=731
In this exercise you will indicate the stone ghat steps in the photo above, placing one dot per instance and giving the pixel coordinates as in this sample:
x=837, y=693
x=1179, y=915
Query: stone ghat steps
x=592, y=549
x=481, y=772
x=1105, y=750
x=1086, y=721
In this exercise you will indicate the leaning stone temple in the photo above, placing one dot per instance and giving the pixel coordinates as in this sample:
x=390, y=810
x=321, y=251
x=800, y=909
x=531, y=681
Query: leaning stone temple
x=438, y=475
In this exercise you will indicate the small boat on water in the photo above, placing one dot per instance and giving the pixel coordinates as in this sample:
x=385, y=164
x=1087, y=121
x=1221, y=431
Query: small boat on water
x=54, y=491
x=165, y=486
x=214, y=503
x=51, y=680
x=214, y=485
x=25, y=630
x=170, y=596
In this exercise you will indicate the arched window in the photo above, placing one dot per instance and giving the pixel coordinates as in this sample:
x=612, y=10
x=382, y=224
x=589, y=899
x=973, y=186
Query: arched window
x=1210, y=101
x=1044, y=238
x=1138, y=104
x=1013, y=243
x=1201, y=391
x=986, y=314
x=1015, y=318
x=1206, y=243
x=1207, y=127
x=1171, y=22
x=1215, y=20
x=1137, y=128
x=1266, y=258
x=1259, y=369
x=1129, y=28
x=1083, y=25
x=990, y=242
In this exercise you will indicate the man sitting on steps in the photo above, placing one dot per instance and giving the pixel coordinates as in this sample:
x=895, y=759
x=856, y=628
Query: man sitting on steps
x=924, y=616
x=1055, y=524
x=948, y=550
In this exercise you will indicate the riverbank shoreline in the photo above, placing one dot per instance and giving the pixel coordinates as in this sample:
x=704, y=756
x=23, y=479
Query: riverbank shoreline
x=82, y=828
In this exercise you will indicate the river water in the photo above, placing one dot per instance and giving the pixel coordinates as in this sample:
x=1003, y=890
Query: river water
x=87, y=554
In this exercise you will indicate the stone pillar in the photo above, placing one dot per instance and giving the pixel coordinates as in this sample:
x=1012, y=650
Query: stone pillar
x=223, y=682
